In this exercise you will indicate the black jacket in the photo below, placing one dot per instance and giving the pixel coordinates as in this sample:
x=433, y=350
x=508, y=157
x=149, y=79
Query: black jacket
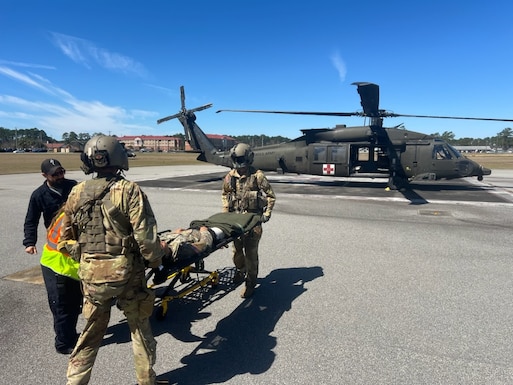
x=44, y=200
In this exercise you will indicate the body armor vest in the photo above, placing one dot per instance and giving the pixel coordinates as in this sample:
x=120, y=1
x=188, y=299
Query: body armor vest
x=102, y=228
x=245, y=195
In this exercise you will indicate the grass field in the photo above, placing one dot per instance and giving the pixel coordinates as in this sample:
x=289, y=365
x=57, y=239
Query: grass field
x=493, y=161
x=30, y=162
x=11, y=163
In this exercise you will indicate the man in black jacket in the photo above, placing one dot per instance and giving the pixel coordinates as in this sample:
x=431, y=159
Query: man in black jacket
x=64, y=293
x=46, y=200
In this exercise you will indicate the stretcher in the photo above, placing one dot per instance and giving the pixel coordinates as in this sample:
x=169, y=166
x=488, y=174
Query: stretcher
x=183, y=272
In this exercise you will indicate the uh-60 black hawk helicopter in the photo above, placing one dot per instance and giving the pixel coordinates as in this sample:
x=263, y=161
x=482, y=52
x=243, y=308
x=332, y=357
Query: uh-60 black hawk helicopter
x=364, y=151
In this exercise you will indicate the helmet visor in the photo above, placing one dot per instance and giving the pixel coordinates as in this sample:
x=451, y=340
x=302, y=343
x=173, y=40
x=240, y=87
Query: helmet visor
x=239, y=160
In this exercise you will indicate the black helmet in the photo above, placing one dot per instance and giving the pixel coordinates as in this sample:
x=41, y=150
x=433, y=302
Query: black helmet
x=103, y=151
x=242, y=155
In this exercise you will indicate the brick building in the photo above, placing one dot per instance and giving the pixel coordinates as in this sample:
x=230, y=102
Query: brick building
x=152, y=143
x=222, y=142
x=170, y=143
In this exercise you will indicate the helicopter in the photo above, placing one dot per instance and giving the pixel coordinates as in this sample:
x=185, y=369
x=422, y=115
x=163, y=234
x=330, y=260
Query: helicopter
x=364, y=151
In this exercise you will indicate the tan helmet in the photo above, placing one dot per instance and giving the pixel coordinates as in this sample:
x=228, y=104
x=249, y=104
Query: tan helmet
x=103, y=151
x=242, y=155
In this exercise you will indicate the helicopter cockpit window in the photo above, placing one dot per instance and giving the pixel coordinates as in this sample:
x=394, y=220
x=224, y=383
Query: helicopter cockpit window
x=320, y=154
x=440, y=151
x=454, y=152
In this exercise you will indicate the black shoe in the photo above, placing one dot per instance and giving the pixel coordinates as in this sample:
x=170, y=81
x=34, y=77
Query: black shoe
x=64, y=350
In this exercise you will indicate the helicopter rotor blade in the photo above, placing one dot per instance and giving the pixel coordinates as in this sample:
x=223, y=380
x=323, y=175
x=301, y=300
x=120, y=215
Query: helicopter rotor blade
x=201, y=108
x=393, y=115
x=182, y=97
x=379, y=113
x=169, y=118
x=369, y=98
x=298, y=112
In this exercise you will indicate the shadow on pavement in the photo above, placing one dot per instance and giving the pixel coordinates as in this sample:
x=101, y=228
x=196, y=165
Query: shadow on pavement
x=241, y=342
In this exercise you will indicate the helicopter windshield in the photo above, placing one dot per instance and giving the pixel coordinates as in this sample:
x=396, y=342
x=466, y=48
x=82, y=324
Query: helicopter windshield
x=445, y=151
x=455, y=152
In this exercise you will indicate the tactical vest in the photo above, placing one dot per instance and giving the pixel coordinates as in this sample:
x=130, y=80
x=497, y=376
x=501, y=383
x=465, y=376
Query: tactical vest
x=246, y=196
x=102, y=228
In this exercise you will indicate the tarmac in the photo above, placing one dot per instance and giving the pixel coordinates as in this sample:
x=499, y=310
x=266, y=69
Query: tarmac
x=356, y=287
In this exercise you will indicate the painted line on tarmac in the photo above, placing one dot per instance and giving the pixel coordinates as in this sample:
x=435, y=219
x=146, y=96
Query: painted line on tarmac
x=363, y=198
x=404, y=200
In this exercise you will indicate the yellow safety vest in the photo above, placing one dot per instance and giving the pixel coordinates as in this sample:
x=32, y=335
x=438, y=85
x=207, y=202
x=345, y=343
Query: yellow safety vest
x=51, y=257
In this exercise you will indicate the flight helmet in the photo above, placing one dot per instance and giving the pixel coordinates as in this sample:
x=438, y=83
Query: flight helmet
x=242, y=155
x=103, y=151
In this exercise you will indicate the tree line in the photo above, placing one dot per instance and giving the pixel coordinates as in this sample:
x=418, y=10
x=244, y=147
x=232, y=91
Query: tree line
x=503, y=140
x=32, y=138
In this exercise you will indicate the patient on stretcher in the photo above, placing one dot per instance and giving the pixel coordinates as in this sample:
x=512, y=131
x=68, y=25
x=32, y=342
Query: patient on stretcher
x=186, y=246
x=186, y=243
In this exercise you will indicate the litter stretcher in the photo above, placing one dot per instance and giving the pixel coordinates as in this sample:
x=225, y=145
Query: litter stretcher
x=187, y=249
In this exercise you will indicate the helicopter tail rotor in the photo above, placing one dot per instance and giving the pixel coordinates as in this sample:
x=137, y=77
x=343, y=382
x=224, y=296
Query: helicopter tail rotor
x=184, y=112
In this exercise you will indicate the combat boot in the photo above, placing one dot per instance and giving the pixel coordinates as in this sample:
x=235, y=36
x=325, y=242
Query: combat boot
x=247, y=291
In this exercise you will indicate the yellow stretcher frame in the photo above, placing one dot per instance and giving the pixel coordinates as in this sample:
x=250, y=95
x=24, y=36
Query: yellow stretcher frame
x=182, y=273
x=184, y=276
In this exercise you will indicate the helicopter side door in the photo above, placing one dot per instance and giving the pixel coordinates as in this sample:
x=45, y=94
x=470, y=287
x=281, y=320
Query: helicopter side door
x=329, y=159
x=416, y=160
x=369, y=160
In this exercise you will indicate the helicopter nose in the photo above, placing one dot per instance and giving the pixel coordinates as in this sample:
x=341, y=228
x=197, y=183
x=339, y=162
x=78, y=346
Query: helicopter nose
x=485, y=171
x=479, y=171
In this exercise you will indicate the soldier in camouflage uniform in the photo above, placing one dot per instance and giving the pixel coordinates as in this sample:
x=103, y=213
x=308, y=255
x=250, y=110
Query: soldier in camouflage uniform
x=246, y=189
x=110, y=227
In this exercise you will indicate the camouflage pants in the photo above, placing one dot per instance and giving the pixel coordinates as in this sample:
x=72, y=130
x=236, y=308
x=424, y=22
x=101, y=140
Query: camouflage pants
x=245, y=254
x=136, y=302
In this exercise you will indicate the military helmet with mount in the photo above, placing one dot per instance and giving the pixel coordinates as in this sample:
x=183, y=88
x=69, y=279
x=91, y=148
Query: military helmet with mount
x=242, y=155
x=102, y=151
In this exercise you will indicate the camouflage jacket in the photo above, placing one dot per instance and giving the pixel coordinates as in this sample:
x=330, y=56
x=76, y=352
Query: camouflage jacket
x=133, y=204
x=186, y=243
x=250, y=192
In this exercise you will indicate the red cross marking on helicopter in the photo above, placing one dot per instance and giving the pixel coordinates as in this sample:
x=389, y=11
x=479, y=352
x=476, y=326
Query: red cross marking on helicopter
x=328, y=169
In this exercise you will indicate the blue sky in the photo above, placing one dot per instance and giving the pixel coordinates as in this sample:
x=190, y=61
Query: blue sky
x=117, y=66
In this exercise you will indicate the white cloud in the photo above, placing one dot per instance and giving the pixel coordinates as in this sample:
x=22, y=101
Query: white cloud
x=21, y=78
x=29, y=65
x=61, y=112
x=339, y=65
x=84, y=52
